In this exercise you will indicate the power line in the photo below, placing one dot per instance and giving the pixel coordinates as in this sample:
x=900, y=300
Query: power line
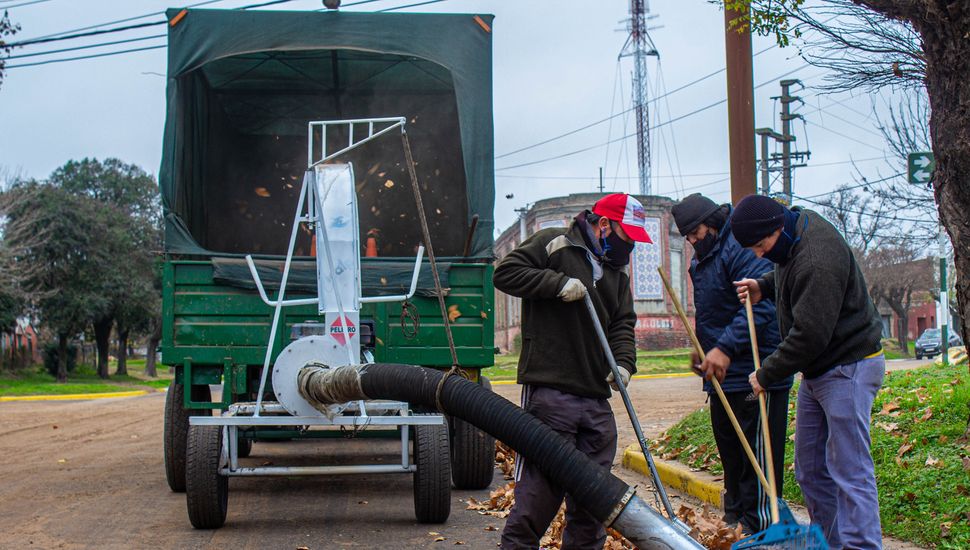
x=89, y=46
x=125, y=20
x=53, y=38
x=24, y=4
x=411, y=5
x=89, y=56
x=863, y=213
x=669, y=121
x=856, y=186
x=601, y=121
x=132, y=50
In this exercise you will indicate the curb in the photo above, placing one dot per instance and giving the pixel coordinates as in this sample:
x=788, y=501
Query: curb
x=635, y=377
x=73, y=396
x=674, y=476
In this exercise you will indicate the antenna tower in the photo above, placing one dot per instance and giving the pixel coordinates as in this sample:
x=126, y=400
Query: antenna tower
x=639, y=46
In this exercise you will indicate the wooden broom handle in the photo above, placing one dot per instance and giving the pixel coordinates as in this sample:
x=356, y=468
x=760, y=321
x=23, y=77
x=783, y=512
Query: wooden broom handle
x=717, y=385
x=765, y=432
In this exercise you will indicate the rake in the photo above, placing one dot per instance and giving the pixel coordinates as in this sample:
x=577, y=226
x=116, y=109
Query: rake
x=784, y=532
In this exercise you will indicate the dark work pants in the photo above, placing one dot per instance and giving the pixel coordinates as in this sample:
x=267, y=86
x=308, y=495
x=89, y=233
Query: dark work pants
x=587, y=422
x=745, y=499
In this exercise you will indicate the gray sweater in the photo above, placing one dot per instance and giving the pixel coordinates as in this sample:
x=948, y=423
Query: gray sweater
x=825, y=313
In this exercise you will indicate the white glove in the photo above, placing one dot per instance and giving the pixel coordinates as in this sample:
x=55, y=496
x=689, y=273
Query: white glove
x=624, y=377
x=573, y=290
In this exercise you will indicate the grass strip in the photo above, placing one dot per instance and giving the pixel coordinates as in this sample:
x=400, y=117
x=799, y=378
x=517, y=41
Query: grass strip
x=921, y=455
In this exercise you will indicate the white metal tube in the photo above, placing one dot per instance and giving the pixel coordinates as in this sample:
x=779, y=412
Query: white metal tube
x=318, y=470
x=411, y=291
x=262, y=292
x=279, y=301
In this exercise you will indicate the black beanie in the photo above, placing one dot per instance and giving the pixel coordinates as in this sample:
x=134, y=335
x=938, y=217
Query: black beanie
x=756, y=217
x=692, y=211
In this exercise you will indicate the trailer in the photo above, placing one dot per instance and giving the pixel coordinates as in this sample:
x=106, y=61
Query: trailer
x=267, y=113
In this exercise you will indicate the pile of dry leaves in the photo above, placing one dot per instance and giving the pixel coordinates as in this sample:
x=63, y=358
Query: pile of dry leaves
x=707, y=526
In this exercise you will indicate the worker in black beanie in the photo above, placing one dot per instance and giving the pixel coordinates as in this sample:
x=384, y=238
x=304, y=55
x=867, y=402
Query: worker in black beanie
x=831, y=334
x=722, y=330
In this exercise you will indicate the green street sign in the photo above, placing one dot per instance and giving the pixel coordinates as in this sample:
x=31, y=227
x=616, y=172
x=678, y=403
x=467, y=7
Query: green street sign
x=920, y=167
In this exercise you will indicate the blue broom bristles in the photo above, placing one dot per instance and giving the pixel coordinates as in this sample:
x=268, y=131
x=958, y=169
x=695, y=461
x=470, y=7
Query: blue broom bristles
x=787, y=534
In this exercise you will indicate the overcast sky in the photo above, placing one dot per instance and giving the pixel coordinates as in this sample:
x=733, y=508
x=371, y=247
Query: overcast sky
x=555, y=70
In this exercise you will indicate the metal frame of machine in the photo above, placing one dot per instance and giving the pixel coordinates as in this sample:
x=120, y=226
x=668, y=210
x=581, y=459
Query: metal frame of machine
x=327, y=203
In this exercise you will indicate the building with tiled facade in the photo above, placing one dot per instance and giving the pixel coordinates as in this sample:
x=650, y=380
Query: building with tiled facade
x=658, y=326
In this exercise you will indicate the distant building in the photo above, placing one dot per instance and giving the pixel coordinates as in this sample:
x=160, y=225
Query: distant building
x=20, y=345
x=658, y=326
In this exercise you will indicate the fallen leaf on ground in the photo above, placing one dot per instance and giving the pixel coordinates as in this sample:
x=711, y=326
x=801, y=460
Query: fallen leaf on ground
x=927, y=415
x=931, y=462
x=439, y=539
x=889, y=407
x=966, y=463
x=491, y=528
x=888, y=426
x=904, y=448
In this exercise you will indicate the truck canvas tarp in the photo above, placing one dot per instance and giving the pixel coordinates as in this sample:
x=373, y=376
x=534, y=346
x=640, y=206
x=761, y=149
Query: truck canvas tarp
x=243, y=85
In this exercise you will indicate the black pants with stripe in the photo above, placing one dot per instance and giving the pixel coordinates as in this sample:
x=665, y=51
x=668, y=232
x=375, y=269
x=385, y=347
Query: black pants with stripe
x=745, y=500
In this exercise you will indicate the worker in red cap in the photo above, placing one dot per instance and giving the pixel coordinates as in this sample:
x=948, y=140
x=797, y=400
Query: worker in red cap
x=562, y=368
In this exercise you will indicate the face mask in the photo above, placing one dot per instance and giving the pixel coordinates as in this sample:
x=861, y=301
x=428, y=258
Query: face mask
x=617, y=250
x=704, y=246
x=779, y=253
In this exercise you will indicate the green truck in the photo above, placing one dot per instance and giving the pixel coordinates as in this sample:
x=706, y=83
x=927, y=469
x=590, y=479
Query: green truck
x=243, y=88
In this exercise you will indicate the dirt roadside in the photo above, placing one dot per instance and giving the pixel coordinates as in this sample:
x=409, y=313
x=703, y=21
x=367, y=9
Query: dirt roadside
x=85, y=474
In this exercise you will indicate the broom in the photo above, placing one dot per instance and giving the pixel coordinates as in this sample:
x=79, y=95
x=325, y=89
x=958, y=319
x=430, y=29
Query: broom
x=784, y=532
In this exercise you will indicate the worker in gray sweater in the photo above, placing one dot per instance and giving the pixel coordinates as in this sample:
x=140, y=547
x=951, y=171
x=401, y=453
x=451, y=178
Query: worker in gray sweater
x=831, y=334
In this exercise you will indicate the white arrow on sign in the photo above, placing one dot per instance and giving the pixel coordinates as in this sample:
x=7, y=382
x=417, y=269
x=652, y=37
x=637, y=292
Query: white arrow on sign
x=920, y=175
x=922, y=162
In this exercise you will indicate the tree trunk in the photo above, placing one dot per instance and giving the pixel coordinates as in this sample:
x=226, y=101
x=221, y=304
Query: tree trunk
x=102, y=339
x=904, y=333
x=122, y=369
x=947, y=50
x=153, y=341
x=62, y=357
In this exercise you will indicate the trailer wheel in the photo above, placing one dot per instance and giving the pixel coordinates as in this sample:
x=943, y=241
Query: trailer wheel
x=432, y=475
x=206, y=491
x=175, y=430
x=472, y=453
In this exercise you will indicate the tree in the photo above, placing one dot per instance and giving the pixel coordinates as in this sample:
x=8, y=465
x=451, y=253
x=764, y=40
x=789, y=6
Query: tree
x=56, y=237
x=6, y=29
x=929, y=48
x=133, y=196
x=896, y=275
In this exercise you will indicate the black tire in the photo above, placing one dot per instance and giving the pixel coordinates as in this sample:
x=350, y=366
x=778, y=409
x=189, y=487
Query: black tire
x=206, y=491
x=175, y=430
x=432, y=476
x=472, y=453
x=245, y=446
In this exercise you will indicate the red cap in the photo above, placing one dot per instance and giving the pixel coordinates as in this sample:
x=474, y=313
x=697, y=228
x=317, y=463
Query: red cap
x=626, y=211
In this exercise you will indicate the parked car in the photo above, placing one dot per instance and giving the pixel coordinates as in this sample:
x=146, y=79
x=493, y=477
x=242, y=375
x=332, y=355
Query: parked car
x=929, y=343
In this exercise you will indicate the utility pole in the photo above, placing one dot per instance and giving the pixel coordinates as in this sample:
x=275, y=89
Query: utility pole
x=740, y=95
x=944, y=301
x=786, y=118
x=786, y=138
x=601, y=179
x=640, y=46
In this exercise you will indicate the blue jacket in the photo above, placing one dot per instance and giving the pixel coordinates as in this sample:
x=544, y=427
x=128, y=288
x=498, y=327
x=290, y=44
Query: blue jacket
x=720, y=319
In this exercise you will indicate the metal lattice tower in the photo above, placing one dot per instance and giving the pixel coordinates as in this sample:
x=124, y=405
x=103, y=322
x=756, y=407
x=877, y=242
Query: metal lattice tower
x=639, y=46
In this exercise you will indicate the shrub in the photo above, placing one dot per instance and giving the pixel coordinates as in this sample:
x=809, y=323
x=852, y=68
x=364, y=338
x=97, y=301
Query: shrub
x=51, y=352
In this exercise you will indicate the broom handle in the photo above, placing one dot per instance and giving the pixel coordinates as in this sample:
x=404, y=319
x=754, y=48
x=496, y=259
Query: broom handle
x=717, y=385
x=765, y=432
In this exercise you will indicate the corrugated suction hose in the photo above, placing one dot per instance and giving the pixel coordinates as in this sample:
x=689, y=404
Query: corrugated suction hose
x=602, y=494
